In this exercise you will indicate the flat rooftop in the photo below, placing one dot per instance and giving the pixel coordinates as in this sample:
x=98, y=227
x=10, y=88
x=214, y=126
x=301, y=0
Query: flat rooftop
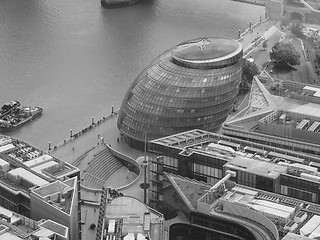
x=65, y=190
x=25, y=228
x=55, y=227
x=207, y=49
x=28, y=164
x=51, y=189
x=258, y=167
x=127, y=216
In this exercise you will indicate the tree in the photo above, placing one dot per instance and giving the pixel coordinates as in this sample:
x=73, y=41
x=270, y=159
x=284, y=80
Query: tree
x=284, y=55
x=284, y=22
x=317, y=60
x=249, y=69
x=296, y=28
x=92, y=226
x=265, y=44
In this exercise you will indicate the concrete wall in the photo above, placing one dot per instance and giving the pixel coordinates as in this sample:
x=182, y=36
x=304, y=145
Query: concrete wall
x=43, y=210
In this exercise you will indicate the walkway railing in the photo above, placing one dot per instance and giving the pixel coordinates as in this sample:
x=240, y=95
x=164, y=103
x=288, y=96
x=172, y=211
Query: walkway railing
x=83, y=131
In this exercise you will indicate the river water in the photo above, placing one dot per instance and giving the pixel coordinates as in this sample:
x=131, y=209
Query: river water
x=76, y=59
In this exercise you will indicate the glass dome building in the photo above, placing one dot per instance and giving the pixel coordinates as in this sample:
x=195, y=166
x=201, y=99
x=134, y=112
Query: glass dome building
x=192, y=85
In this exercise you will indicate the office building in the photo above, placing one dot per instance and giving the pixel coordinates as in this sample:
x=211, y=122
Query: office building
x=207, y=156
x=192, y=85
x=39, y=186
x=289, y=121
x=14, y=226
x=239, y=211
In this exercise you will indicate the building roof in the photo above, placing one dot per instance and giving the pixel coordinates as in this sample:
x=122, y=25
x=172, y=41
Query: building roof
x=127, y=216
x=256, y=166
x=51, y=188
x=263, y=104
x=6, y=147
x=309, y=109
x=3, y=162
x=26, y=162
x=190, y=190
x=63, y=193
x=275, y=206
x=316, y=90
x=9, y=214
x=293, y=236
x=9, y=236
x=37, y=161
x=206, y=49
x=28, y=176
x=184, y=89
x=43, y=166
x=55, y=227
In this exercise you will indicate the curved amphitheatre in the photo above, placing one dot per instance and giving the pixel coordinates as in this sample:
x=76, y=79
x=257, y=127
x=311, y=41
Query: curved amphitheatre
x=104, y=165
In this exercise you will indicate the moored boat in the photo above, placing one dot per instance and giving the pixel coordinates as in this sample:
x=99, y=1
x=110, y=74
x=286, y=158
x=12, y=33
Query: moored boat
x=17, y=116
x=7, y=107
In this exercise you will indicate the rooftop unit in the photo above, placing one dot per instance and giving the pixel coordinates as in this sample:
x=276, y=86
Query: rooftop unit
x=4, y=165
x=282, y=118
x=303, y=124
x=300, y=217
x=315, y=127
x=6, y=147
x=310, y=226
x=28, y=176
x=291, y=226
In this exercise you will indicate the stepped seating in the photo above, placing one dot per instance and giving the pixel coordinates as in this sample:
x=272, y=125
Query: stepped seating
x=101, y=168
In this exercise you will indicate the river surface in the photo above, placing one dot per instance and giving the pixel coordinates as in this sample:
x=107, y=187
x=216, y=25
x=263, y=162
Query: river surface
x=76, y=59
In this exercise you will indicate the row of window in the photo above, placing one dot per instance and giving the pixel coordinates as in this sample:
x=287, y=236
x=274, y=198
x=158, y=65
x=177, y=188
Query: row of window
x=207, y=171
x=183, y=79
x=137, y=129
x=154, y=113
x=140, y=101
x=155, y=123
x=297, y=146
x=298, y=193
x=247, y=179
x=145, y=90
x=168, y=66
x=169, y=161
x=208, y=65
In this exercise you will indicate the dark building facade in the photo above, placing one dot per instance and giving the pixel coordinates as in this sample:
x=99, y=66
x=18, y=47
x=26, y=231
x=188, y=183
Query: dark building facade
x=193, y=85
x=259, y=166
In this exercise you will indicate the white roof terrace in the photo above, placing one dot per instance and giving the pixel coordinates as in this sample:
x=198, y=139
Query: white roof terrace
x=28, y=176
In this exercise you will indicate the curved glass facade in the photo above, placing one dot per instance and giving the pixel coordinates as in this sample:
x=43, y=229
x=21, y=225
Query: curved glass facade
x=185, y=88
